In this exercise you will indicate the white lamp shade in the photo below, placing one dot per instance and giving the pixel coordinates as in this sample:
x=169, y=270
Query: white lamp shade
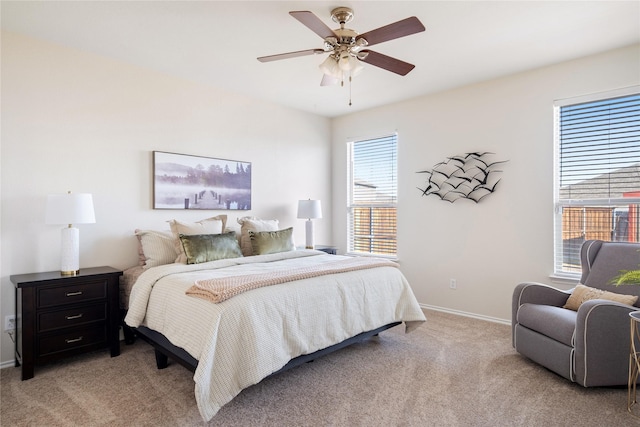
x=344, y=63
x=309, y=209
x=70, y=208
x=331, y=68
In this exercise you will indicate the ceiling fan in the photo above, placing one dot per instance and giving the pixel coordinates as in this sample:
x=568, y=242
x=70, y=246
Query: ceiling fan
x=346, y=47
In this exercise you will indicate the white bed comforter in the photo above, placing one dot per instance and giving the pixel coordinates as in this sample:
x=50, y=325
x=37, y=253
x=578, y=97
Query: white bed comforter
x=246, y=338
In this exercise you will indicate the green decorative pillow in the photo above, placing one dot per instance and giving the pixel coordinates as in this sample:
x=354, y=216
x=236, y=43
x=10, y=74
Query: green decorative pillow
x=583, y=293
x=270, y=242
x=200, y=248
x=251, y=223
x=213, y=225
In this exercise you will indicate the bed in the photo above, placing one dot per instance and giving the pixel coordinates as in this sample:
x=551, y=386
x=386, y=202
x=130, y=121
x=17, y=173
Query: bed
x=240, y=340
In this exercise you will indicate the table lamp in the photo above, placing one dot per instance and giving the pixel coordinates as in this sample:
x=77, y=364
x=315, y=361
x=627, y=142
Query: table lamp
x=309, y=209
x=70, y=209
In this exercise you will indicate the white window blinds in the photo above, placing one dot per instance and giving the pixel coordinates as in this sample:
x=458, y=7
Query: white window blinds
x=598, y=175
x=372, y=200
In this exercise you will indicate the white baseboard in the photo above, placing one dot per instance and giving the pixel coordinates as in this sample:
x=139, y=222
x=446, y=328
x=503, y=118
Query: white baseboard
x=466, y=314
x=8, y=364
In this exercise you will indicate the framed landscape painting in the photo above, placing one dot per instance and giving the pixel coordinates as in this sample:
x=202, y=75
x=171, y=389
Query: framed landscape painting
x=182, y=181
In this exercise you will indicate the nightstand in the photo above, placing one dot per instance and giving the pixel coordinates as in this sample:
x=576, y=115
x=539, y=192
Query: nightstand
x=59, y=316
x=331, y=250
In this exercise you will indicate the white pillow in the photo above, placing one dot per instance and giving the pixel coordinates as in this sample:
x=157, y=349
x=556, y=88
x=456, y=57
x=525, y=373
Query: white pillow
x=214, y=225
x=254, y=224
x=157, y=247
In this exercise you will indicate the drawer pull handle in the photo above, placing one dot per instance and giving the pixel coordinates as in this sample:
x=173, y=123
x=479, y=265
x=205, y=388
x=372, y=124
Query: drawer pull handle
x=73, y=294
x=69, y=341
x=77, y=316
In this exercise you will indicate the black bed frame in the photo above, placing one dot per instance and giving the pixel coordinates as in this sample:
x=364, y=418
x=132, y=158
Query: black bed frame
x=165, y=350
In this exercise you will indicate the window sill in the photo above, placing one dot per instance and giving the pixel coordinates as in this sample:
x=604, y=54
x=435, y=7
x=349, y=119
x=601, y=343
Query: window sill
x=361, y=254
x=567, y=280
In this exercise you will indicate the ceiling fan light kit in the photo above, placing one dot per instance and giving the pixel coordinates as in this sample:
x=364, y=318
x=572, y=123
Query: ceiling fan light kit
x=338, y=66
x=346, y=47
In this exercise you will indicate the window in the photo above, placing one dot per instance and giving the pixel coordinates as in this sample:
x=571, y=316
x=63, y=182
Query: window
x=373, y=196
x=597, y=192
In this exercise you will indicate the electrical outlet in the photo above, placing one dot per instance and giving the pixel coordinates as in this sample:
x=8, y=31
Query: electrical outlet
x=453, y=284
x=9, y=323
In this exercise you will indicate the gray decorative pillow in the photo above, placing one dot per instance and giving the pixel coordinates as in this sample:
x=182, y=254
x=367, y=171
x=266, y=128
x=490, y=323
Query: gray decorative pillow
x=200, y=248
x=270, y=242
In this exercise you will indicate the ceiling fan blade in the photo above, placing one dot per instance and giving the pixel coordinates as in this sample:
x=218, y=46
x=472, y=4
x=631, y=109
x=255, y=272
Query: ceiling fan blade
x=386, y=62
x=290, y=55
x=406, y=27
x=314, y=23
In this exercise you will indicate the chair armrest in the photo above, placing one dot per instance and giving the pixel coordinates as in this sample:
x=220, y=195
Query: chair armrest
x=539, y=293
x=535, y=293
x=602, y=340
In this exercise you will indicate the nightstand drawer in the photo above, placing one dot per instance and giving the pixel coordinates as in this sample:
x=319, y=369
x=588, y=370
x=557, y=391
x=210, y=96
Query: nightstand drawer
x=51, y=320
x=72, y=339
x=86, y=291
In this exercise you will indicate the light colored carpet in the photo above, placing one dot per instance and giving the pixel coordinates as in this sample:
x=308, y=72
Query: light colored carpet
x=452, y=371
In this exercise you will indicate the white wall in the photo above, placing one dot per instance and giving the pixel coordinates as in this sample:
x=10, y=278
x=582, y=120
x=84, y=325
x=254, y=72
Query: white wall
x=80, y=122
x=506, y=238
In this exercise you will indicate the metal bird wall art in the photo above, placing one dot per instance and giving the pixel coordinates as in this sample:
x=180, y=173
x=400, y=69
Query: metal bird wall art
x=470, y=176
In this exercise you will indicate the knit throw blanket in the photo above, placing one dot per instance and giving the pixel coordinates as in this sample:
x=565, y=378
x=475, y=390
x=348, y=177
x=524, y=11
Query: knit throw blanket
x=221, y=289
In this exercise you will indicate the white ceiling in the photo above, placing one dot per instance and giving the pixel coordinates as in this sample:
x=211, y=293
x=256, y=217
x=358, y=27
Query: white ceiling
x=217, y=42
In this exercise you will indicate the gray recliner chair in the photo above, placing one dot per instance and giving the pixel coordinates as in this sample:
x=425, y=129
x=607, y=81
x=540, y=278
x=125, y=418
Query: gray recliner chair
x=589, y=346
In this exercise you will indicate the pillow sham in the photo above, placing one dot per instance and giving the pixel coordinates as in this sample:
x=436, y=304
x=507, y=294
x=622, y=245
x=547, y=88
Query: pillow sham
x=583, y=293
x=155, y=247
x=199, y=248
x=270, y=242
x=254, y=224
x=213, y=225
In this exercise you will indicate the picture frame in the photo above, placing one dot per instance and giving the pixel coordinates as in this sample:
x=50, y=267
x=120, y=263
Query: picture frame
x=183, y=181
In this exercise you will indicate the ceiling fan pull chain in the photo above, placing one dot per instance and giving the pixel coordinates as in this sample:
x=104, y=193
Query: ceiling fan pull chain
x=349, y=90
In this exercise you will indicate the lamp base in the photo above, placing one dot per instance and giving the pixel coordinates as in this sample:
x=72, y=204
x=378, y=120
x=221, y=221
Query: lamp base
x=309, y=234
x=70, y=252
x=70, y=273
